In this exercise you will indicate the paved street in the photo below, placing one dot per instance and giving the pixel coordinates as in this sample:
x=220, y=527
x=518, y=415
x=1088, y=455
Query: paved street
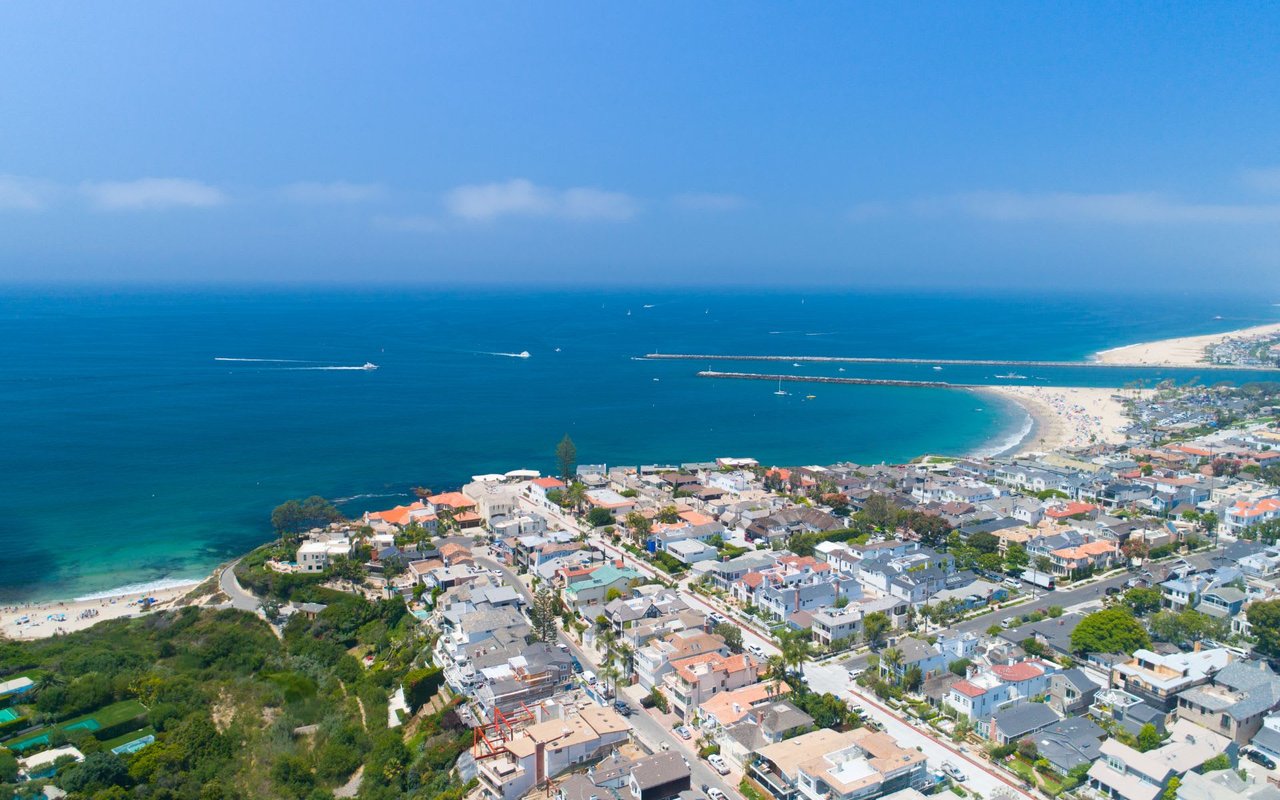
x=240, y=597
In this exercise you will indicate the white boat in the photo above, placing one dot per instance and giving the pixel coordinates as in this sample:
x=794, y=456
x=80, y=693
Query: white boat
x=1013, y=376
x=937, y=367
x=795, y=363
x=369, y=365
x=840, y=369
x=780, y=392
x=522, y=354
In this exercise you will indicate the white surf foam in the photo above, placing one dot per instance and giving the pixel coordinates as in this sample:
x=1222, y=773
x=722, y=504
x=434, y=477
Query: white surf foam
x=1011, y=441
x=139, y=588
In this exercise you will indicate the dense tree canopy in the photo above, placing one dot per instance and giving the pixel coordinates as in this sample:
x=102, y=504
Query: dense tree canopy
x=1264, y=621
x=1112, y=630
x=296, y=516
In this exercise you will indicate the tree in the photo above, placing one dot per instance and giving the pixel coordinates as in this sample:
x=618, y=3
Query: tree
x=879, y=512
x=599, y=517
x=1264, y=621
x=576, y=496
x=1148, y=738
x=640, y=526
x=669, y=515
x=1034, y=647
x=612, y=594
x=984, y=542
x=1112, y=630
x=97, y=772
x=959, y=667
x=1143, y=600
x=566, y=457
x=874, y=627
x=1043, y=564
x=1220, y=761
x=543, y=613
x=731, y=634
x=912, y=678
x=990, y=562
x=296, y=516
x=1171, y=793
x=1016, y=559
x=1186, y=626
x=659, y=700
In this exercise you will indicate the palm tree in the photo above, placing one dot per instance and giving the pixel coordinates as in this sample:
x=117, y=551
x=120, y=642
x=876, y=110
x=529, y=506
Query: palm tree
x=776, y=665
x=891, y=658
x=577, y=496
x=626, y=657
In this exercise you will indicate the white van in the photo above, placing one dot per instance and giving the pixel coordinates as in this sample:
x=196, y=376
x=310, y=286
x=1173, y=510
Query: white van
x=589, y=677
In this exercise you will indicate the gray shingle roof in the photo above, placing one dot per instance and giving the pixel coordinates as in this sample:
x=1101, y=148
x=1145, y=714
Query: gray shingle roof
x=1023, y=719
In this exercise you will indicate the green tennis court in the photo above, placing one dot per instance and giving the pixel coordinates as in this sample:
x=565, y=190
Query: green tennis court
x=89, y=724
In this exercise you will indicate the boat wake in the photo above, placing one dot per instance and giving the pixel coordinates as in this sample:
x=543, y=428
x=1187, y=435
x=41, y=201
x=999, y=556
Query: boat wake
x=322, y=369
x=267, y=360
x=521, y=354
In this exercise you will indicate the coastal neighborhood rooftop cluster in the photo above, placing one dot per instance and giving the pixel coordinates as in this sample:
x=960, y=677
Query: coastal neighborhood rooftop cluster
x=1098, y=619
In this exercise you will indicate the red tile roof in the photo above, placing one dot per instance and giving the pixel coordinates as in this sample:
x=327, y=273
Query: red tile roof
x=968, y=689
x=1024, y=671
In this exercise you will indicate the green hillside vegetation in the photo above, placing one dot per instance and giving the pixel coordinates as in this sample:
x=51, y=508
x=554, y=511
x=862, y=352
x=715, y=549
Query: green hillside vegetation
x=223, y=696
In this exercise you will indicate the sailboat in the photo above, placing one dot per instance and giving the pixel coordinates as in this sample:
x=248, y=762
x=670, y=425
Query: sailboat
x=780, y=391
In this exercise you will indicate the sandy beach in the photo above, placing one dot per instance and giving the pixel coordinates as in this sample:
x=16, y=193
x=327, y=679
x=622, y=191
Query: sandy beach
x=1067, y=416
x=55, y=617
x=1185, y=352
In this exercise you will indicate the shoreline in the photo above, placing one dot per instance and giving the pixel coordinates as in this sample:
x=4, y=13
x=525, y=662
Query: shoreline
x=1184, y=351
x=1063, y=416
x=86, y=611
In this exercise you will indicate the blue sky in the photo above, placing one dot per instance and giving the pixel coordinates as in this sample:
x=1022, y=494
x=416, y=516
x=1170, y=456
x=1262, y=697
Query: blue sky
x=948, y=145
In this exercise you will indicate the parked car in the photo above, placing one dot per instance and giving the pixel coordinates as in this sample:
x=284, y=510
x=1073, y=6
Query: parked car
x=716, y=618
x=1260, y=758
x=1012, y=583
x=716, y=794
x=622, y=708
x=755, y=650
x=684, y=733
x=1112, y=591
x=717, y=761
x=589, y=678
x=953, y=772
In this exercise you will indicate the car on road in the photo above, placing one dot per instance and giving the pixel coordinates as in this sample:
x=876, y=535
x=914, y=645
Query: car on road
x=589, y=678
x=716, y=794
x=953, y=772
x=859, y=710
x=755, y=650
x=622, y=708
x=1260, y=758
x=684, y=733
x=1012, y=583
x=716, y=618
x=1112, y=591
x=717, y=761
x=854, y=672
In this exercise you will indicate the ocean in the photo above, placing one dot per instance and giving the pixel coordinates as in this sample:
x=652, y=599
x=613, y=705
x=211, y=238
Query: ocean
x=147, y=433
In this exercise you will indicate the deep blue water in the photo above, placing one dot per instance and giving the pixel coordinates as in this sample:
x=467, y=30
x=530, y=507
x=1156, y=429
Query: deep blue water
x=128, y=453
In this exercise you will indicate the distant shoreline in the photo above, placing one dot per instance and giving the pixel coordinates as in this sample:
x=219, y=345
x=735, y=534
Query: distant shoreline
x=1184, y=351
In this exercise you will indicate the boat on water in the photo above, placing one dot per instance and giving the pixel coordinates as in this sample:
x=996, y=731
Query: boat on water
x=1013, y=376
x=935, y=366
x=810, y=397
x=780, y=391
x=795, y=363
x=840, y=369
x=369, y=365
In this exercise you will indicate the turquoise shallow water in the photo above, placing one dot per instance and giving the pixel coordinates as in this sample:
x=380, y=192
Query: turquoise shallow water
x=129, y=453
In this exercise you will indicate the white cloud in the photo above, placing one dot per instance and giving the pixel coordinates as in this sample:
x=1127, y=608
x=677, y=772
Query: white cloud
x=333, y=192
x=523, y=198
x=1119, y=208
x=23, y=194
x=152, y=194
x=708, y=201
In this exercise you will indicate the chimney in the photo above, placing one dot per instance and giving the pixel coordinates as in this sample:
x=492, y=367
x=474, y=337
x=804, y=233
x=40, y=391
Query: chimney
x=1195, y=648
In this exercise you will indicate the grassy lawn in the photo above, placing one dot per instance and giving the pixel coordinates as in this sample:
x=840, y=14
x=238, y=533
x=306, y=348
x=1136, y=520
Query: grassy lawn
x=1023, y=769
x=128, y=737
x=1050, y=784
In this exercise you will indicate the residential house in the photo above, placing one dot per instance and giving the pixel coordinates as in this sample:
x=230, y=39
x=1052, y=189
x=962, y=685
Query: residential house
x=534, y=754
x=1158, y=679
x=594, y=588
x=762, y=726
x=913, y=653
x=1124, y=773
x=1071, y=691
x=509, y=682
x=1018, y=722
x=1071, y=743
x=785, y=524
x=828, y=765
x=693, y=680
x=655, y=660
x=729, y=708
x=988, y=690
x=1234, y=702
